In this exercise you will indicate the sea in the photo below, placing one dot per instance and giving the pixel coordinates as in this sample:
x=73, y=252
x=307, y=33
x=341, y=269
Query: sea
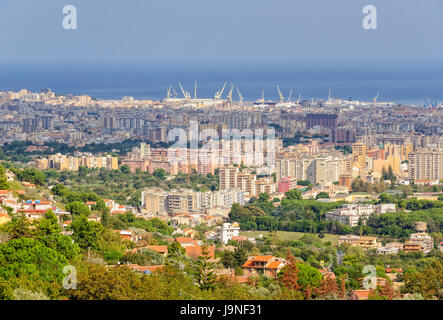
x=405, y=82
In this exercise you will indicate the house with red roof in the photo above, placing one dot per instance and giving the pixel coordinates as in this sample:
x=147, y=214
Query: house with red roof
x=193, y=248
x=143, y=269
x=128, y=235
x=6, y=195
x=160, y=249
x=263, y=265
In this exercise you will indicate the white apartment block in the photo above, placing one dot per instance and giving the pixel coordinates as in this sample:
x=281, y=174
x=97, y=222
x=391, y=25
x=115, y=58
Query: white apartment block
x=160, y=202
x=227, y=231
x=350, y=214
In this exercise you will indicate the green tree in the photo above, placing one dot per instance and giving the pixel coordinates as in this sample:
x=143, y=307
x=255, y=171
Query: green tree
x=105, y=219
x=31, y=175
x=160, y=174
x=78, y=208
x=125, y=169
x=293, y=194
x=240, y=256
x=175, y=250
x=85, y=232
x=19, y=227
x=4, y=185
x=48, y=225
x=322, y=195
x=228, y=259
x=204, y=271
x=308, y=276
x=30, y=258
x=59, y=190
x=109, y=243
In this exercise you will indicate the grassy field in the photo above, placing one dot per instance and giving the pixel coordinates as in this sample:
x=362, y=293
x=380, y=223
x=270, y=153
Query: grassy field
x=287, y=235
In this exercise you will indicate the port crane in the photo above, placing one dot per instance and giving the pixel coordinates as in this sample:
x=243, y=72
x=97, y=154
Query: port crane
x=230, y=94
x=219, y=94
x=290, y=96
x=432, y=104
x=240, y=97
x=168, y=92
x=262, y=96
x=375, y=100
x=282, y=98
x=195, y=90
x=298, y=100
x=186, y=94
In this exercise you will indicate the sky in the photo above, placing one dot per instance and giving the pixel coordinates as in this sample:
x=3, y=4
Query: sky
x=174, y=31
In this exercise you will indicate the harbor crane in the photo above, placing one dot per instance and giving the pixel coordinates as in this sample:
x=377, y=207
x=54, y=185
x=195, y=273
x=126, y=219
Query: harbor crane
x=186, y=94
x=299, y=97
x=432, y=104
x=168, y=92
x=290, y=96
x=219, y=94
x=375, y=100
x=195, y=90
x=230, y=94
x=262, y=96
x=282, y=98
x=240, y=97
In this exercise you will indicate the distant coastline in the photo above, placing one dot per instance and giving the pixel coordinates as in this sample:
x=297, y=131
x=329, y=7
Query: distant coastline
x=404, y=82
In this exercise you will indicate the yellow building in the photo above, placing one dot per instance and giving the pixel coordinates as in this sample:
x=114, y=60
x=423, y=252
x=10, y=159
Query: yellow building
x=359, y=157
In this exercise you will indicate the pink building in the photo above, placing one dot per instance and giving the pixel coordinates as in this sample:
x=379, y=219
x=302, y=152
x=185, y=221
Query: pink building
x=287, y=184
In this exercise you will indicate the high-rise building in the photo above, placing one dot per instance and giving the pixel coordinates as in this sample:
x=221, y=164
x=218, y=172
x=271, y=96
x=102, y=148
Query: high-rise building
x=145, y=150
x=154, y=200
x=426, y=164
x=322, y=120
x=359, y=157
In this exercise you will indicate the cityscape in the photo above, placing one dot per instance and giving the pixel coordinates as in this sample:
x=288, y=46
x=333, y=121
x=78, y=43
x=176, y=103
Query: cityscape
x=254, y=189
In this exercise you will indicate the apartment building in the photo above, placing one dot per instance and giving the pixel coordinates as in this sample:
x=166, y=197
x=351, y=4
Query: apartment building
x=426, y=164
x=249, y=183
x=366, y=243
x=68, y=163
x=227, y=231
x=424, y=240
x=351, y=214
x=320, y=170
x=156, y=201
x=359, y=157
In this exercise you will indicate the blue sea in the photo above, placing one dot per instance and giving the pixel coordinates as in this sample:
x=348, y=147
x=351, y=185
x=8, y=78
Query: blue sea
x=408, y=82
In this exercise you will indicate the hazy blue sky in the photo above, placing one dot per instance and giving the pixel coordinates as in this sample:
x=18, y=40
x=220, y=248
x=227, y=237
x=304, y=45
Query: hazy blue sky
x=230, y=30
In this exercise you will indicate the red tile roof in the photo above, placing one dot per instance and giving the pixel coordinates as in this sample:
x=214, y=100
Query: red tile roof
x=273, y=265
x=184, y=239
x=248, y=264
x=159, y=249
x=262, y=258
